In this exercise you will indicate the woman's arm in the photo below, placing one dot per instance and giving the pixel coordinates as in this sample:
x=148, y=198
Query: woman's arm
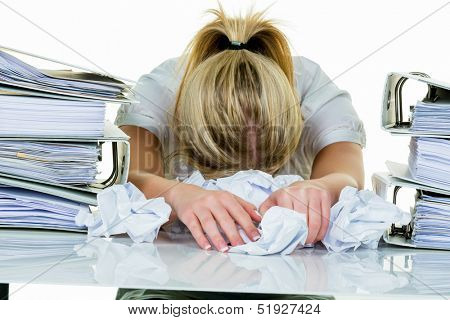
x=339, y=165
x=336, y=166
x=146, y=164
x=202, y=211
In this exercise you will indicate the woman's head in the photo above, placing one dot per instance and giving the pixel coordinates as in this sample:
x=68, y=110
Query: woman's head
x=237, y=109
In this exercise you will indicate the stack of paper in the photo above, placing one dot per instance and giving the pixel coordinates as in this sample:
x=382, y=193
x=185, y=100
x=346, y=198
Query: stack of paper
x=432, y=221
x=55, y=162
x=27, y=245
x=429, y=164
x=24, y=208
x=15, y=72
x=429, y=161
x=38, y=116
x=428, y=169
x=53, y=103
x=52, y=133
x=431, y=117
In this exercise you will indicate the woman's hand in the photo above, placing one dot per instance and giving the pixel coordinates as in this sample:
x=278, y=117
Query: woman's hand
x=309, y=197
x=202, y=211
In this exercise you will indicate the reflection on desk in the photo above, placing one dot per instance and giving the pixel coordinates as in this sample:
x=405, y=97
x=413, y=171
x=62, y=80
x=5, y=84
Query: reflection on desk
x=178, y=264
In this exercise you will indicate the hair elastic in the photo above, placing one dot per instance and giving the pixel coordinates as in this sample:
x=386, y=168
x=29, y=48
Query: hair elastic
x=236, y=45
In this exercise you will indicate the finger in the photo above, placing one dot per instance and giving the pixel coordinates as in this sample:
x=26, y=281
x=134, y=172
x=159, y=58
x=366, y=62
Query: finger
x=197, y=232
x=284, y=200
x=325, y=206
x=228, y=225
x=209, y=225
x=267, y=204
x=243, y=219
x=301, y=206
x=314, y=219
x=250, y=208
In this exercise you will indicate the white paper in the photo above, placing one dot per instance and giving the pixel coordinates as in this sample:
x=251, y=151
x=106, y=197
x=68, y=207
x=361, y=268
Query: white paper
x=360, y=218
x=430, y=116
x=282, y=231
x=432, y=221
x=26, y=208
x=124, y=209
x=37, y=116
x=55, y=162
x=28, y=114
x=429, y=161
x=253, y=186
x=15, y=72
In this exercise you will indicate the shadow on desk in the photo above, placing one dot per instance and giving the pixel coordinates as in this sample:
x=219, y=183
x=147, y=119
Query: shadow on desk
x=145, y=294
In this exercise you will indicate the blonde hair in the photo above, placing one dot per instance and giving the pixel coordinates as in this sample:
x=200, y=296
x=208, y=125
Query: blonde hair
x=237, y=109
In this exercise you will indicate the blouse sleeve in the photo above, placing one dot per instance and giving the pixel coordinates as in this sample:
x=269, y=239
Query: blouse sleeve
x=155, y=94
x=328, y=112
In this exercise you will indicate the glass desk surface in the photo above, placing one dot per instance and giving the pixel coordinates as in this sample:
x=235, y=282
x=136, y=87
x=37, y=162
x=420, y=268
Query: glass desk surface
x=171, y=263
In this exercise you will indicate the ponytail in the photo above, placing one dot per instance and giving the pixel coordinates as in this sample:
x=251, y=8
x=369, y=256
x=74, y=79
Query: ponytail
x=260, y=35
x=237, y=109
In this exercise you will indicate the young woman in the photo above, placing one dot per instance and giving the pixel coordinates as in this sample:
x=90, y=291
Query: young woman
x=238, y=100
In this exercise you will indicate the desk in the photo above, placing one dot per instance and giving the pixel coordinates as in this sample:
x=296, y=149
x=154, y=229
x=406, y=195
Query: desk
x=178, y=264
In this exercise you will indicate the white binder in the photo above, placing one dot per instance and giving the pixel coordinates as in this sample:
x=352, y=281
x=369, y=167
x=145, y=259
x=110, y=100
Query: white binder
x=394, y=115
x=400, y=235
x=69, y=72
x=115, y=138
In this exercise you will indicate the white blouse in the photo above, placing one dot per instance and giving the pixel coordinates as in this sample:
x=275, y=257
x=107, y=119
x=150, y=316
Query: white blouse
x=327, y=111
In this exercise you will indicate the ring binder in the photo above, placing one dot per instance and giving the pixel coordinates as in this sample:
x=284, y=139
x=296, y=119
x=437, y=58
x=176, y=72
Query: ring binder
x=428, y=164
x=53, y=139
x=401, y=235
x=393, y=118
x=120, y=148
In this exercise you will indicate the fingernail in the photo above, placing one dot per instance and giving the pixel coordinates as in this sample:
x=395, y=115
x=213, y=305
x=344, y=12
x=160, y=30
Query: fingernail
x=207, y=247
x=224, y=249
x=256, y=236
x=258, y=213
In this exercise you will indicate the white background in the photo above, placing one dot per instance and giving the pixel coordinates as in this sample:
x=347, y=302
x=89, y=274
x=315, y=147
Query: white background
x=129, y=38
